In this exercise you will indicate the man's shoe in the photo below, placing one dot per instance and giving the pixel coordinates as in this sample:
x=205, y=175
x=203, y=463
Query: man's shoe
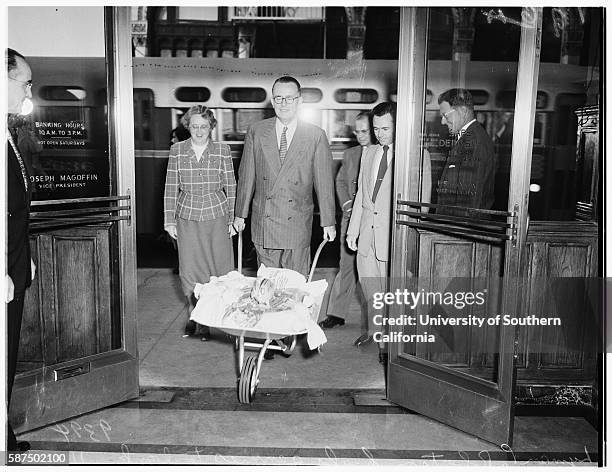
x=383, y=357
x=203, y=332
x=23, y=446
x=363, y=340
x=331, y=321
x=19, y=446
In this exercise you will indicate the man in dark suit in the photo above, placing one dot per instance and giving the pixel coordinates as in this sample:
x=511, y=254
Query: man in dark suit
x=468, y=178
x=283, y=159
x=20, y=268
x=346, y=281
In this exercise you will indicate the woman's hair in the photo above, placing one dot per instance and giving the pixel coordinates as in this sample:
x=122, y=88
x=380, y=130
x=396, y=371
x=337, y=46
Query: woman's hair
x=201, y=110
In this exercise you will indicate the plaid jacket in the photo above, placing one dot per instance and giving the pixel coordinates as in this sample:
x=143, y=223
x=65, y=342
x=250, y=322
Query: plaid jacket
x=199, y=191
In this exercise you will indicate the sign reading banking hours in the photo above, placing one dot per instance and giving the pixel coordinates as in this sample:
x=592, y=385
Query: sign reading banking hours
x=71, y=164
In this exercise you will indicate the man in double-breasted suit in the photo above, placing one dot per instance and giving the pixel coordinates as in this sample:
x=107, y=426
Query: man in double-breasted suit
x=369, y=231
x=282, y=161
x=468, y=178
x=20, y=268
x=346, y=283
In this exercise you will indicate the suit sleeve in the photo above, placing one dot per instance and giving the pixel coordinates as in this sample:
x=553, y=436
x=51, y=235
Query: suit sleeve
x=342, y=187
x=229, y=181
x=355, y=221
x=171, y=188
x=323, y=181
x=246, y=176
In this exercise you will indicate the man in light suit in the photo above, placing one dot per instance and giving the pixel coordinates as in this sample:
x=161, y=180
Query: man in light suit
x=468, y=178
x=369, y=231
x=346, y=282
x=282, y=161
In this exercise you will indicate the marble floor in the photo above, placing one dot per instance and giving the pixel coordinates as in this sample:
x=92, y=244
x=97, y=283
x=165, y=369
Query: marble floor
x=322, y=409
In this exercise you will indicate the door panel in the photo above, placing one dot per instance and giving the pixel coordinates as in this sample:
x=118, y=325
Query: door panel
x=558, y=262
x=448, y=264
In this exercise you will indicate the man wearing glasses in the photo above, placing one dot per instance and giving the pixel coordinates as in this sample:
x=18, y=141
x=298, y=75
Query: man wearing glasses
x=345, y=283
x=20, y=268
x=468, y=178
x=283, y=159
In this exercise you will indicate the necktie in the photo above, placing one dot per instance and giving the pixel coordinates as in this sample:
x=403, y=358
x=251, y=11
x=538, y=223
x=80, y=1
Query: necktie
x=283, y=145
x=382, y=169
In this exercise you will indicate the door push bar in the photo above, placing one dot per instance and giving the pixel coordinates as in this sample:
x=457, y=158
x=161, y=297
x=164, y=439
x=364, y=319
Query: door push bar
x=460, y=221
x=80, y=211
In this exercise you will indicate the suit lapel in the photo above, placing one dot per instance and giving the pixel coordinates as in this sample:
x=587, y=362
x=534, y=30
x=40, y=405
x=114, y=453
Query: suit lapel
x=188, y=149
x=371, y=170
x=15, y=167
x=269, y=144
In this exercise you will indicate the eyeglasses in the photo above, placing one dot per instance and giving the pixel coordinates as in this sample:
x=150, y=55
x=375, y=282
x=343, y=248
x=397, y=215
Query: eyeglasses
x=27, y=83
x=200, y=127
x=289, y=100
x=445, y=115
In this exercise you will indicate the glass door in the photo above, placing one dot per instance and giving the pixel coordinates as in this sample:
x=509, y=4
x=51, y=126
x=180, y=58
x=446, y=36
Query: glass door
x=460, y=227
x=78, y=349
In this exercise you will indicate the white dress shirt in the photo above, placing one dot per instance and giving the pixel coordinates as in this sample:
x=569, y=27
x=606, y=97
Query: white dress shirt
x=464, y=128
x=291, y=127
x=198, y=149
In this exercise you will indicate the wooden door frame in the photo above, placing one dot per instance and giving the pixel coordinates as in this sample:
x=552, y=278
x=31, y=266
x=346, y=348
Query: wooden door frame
x=411, y=87
x=122, y=144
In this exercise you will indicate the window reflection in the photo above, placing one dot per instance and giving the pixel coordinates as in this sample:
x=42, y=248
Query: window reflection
x=565, y=156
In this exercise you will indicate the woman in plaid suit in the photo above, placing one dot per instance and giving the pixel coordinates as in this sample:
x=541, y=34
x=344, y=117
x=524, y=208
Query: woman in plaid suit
x=199, y=205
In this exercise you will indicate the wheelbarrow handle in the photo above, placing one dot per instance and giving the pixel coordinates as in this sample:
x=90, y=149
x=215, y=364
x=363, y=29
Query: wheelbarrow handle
x=240, y=252
x=316, y=258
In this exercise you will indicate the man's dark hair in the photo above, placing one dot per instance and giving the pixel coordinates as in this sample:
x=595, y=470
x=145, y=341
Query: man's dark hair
x=287, y=79
x=457, y=97
x=385, y=107
x=11, y=59
x=364, y=114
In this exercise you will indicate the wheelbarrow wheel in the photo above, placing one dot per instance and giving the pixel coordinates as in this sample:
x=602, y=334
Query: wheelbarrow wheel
x=247, y=385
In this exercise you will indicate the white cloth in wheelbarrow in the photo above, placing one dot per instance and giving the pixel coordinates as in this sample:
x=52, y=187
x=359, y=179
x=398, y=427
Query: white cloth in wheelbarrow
x=282, y=302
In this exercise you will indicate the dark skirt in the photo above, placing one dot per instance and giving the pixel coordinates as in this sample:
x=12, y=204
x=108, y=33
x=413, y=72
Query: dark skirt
x=204, y=250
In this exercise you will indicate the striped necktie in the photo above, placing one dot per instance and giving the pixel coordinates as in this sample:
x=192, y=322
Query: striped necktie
x=283, y=145
x=382, y=170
